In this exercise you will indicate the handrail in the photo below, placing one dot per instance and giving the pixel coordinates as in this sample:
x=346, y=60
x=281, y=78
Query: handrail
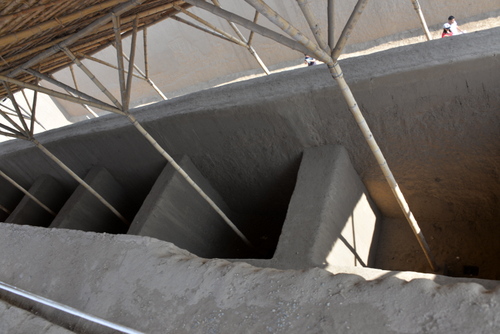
x=67, y=309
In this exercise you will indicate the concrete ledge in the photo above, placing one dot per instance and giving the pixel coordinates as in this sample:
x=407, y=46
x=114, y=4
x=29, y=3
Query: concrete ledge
x=173, y=211
x=48, y=191
x=83, y=211
x=155, y=287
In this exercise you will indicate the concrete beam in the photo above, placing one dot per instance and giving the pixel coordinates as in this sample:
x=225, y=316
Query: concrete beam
x=331, y=219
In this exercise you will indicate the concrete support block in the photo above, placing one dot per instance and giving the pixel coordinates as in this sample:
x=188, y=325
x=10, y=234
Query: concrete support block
x=83, y=211
x=48, y=191
x=10, y=196
x=173, y=211
x=331, y=219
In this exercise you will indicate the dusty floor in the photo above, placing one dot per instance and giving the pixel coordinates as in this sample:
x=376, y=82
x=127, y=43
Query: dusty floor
x=155, y=287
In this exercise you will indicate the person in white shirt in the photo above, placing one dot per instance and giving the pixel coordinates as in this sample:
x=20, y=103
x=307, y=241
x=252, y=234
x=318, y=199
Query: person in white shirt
x=455, y=29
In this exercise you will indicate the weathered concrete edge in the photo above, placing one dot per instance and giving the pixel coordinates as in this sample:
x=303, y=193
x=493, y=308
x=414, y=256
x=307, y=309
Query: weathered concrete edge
x=153, y=286
x=82, y=238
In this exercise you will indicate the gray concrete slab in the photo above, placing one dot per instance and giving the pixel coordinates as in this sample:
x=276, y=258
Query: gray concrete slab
x=83, y=211
x=48, y=191
x=173, y=211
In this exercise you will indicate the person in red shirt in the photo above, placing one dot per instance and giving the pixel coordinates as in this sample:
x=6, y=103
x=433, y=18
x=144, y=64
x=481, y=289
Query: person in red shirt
x=446, y=30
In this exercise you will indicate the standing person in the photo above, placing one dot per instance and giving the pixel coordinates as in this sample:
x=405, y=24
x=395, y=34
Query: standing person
x=446, y=30
x=455, y=29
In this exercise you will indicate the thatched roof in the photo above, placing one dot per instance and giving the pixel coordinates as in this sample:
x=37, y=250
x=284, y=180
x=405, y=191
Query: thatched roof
x=29, y=28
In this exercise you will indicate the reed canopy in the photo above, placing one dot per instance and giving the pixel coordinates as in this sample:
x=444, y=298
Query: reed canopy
x=32, y=29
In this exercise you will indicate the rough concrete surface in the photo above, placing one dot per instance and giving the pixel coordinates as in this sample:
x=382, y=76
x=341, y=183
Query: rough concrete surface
x=50, y=193
x=331, y=220
x=155, y=287
x=174, y=211
x=428, y=113
x=14, y=320
x=433, y=107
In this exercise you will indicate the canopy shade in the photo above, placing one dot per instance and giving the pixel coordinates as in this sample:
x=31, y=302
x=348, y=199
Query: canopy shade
x=31, y=28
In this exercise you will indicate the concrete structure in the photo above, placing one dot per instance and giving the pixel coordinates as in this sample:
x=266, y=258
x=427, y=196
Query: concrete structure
x=433, y=108
x=84, y=212
x=9, y=197
x=173, y=211
x=47, y=190
x=17, y=320
x=331, y=220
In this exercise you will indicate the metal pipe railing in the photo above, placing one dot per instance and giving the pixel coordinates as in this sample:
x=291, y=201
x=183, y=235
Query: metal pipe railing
x=67, y=309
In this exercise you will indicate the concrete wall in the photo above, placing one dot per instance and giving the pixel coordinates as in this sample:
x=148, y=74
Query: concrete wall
x=435, y=117
x=183, y=59
x=436, y=123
